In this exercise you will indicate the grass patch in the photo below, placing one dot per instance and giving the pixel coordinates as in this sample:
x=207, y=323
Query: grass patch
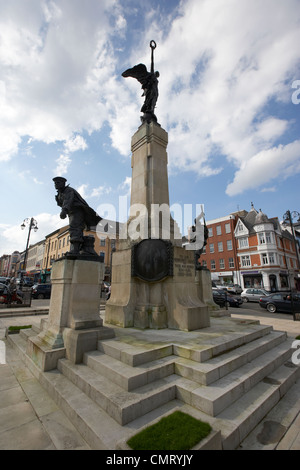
x=178, y=431
x=17, y=328
x=297, y=337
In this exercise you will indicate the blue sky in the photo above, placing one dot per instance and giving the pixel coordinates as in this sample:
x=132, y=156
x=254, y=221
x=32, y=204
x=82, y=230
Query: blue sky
x=229, y=89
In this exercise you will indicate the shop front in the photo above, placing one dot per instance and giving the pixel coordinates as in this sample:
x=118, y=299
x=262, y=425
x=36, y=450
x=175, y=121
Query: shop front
x=252, y=279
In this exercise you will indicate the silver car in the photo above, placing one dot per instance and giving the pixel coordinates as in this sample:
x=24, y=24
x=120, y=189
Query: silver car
x=253, y=295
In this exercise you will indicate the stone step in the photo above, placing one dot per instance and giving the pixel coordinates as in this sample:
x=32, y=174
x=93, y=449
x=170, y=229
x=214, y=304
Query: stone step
x=134, y=355
x=240, y=418
x=214, y=398
x=28, y=332
x=98, y=429
x=221, y=344
x=128, y=377
x=213, y=369
x=122, y=406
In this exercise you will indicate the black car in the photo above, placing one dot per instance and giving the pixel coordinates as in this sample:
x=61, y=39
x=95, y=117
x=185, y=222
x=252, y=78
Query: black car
x=41, y=291
x=281, y=302
x=221, y=297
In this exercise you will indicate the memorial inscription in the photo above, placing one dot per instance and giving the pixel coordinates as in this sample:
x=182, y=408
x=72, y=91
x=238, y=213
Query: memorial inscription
x=182, y=268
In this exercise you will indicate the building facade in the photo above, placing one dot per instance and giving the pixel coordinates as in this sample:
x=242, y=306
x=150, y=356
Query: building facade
x=249, y=249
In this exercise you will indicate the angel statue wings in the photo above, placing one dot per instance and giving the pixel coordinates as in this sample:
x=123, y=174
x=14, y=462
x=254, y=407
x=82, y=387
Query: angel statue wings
x=149, y=84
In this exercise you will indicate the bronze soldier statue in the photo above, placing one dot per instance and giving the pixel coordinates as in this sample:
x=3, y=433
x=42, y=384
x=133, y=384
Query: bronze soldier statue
x=81, y=217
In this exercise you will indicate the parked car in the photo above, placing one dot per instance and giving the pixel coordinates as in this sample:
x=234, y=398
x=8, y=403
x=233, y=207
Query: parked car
x=253, y=295
x=281, y=302
x=41, y=291
x=222, y=297
x=4, y=280
x=234, y=288
x=27, y=282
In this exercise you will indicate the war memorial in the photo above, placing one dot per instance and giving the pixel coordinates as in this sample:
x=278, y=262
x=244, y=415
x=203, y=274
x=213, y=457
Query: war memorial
x=162, y=344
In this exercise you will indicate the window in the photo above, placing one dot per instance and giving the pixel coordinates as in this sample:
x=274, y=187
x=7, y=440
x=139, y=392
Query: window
x=231, y=263
x=265, y=238
x=211, y=248
x=229, y=245
x=102, y=242
x=240, y=227
x=219, y=231
x=210, y=231
x=268, y=237
x=243, y=242
x=204, y=264
x=245, y=261
x=261, y=238
x=102, y=255
x=212, y=264
x=272, y=258
x=227, y=228
x=222, y=264
x=220, y=246
x=269, y=258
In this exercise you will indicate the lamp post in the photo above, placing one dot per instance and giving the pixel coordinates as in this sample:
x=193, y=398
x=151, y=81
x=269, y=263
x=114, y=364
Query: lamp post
x=288, y=220
x=32, y=223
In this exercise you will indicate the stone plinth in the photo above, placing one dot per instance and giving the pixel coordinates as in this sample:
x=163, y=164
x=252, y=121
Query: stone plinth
x=173, y=302
x=74, y=324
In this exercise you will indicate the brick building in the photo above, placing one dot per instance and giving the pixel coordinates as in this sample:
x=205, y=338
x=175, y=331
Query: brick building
x=249, y=249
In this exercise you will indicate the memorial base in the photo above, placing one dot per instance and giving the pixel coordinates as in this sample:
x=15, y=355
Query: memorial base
x=74, y=325
x=173, y=302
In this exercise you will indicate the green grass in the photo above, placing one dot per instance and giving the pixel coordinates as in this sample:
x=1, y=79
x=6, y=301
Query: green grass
x=297, y=337
x=178, y=431
x=16, y=328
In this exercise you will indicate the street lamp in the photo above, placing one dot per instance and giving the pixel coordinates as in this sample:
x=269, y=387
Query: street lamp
x=32, y=225
x=288, y=220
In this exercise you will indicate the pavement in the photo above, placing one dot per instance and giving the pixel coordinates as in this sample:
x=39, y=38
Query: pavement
x=31, y=420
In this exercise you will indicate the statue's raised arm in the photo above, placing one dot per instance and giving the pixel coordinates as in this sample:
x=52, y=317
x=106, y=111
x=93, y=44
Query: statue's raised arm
x=149, y=84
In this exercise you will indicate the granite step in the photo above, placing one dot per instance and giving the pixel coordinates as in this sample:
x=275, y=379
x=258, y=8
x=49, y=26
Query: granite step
x=222, y=344
x=128, y=377
x=134, y=355
x=28, y=332
x=213, y=369
x=213, y=399
x=240, y=418
x=122, y=406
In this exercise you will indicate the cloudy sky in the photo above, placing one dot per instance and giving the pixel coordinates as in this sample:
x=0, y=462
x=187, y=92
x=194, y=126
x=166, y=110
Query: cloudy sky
x=229, y=99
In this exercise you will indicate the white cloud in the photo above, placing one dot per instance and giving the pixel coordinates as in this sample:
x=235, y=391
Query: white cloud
x=220, y=62
x=63, y=163
x=266, y=165
x=55, y=58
